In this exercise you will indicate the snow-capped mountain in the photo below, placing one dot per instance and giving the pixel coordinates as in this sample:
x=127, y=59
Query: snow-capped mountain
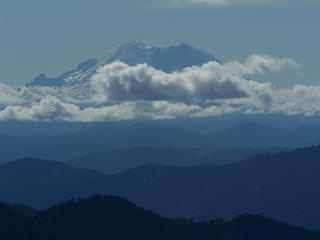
x=168, y=59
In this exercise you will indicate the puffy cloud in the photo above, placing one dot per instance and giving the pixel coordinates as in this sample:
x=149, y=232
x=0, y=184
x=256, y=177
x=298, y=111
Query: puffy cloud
x=8, y=95
x=51, y=109
x=300, y=99
x=121, y=92
x=48, y=108
x=120, y=82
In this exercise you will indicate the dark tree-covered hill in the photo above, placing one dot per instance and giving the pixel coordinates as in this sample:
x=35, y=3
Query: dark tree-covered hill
x=113, y=218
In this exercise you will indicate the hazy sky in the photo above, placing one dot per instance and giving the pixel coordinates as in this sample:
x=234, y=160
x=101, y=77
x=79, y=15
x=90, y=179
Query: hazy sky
x=54, y=36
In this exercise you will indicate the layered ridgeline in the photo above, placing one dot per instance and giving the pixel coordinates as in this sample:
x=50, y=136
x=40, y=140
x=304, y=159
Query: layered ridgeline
x=283, y=186
x=99, y=141
x=113, y=218
x=167, y=59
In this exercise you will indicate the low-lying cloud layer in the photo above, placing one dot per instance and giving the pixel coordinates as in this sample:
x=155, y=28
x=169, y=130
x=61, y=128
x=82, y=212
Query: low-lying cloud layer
x=121, y=92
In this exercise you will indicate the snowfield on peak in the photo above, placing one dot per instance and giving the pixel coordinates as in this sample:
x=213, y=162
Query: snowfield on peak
x=168, y=59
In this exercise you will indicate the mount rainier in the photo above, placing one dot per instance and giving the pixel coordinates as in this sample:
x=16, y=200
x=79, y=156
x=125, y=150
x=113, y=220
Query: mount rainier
x=168, y=59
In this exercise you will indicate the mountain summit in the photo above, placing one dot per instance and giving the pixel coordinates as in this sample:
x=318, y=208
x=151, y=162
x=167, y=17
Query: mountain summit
x=168, y=59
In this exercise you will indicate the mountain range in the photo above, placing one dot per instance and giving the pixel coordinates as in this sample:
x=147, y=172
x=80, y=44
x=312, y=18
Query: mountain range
x=280, y=185
x=120, y=160
x=117, y=161
x=84, y=140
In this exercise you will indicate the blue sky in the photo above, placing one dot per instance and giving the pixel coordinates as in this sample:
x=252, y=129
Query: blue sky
x=54, y=36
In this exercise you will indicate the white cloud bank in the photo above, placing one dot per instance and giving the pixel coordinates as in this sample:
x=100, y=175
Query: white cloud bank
x=121, y=92
x=119, y=82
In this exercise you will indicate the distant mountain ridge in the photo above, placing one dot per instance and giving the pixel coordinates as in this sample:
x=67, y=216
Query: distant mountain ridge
x=40, y=183
x=283, y=186
x=117, y=161
x=168, y=59
x=108, y=136
x=121, y=160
